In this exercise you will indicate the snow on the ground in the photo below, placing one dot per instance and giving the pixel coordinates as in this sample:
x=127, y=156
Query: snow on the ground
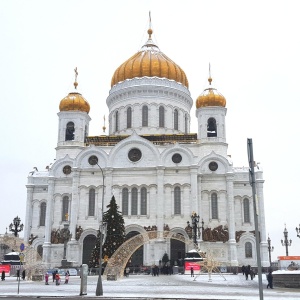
x=163, y=287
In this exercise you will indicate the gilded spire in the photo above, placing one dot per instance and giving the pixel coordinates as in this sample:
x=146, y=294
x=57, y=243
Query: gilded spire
x=76, y=74
x=150, y=31
x=104, y=127
x=209, y=78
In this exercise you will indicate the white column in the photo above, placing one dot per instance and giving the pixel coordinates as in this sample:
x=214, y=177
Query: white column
x=231, y=220
x=160, y=199
x=74, y=203
x=28, y=220
x=48, y=221
x=194, y=195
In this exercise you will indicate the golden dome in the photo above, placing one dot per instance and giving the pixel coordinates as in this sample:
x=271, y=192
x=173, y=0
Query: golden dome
x=150, y=62
x=74, y=101
x=210, y=97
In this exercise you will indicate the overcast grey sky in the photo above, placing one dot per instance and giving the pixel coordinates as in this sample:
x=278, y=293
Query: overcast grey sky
x=253, y=48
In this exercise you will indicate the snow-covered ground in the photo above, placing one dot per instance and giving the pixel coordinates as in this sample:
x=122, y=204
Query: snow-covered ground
x=162, y=287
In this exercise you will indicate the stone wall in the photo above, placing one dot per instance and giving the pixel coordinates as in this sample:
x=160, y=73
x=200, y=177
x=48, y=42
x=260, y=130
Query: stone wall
x=286, y=279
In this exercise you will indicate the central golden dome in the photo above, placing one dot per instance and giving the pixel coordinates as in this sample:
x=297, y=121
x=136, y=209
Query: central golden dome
x=150, y=62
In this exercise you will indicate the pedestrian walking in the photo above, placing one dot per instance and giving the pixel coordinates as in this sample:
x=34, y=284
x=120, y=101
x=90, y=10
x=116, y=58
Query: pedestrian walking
x=270, y=280
x=67, y=278
x=3, y=275
x=23, y=274
x=192, y=272
x=46, y=279
x=53, y=275
x=243, y=269
x=57, y=279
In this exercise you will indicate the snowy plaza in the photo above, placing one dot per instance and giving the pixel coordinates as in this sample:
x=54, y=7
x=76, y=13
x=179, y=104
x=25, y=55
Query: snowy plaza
x=150, y=287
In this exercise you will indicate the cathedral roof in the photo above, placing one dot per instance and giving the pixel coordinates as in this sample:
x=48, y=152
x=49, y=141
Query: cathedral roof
x=150, y=62
x=74, y=100
x=210, y=97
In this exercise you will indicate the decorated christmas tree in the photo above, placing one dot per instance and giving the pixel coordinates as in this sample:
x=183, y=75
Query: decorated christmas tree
x=115, y=235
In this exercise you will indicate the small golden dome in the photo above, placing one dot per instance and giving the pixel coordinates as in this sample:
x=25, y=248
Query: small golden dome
x=74, y=101
x=210, y=97
x=150, y=62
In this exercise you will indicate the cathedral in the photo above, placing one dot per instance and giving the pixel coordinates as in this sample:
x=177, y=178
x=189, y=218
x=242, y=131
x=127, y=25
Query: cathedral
x=159, y=172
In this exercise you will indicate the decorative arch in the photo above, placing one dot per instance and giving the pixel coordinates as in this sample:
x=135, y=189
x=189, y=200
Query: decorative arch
x=119, y=259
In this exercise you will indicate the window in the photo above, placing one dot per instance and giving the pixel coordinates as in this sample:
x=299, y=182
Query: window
x=129, y=117
x=143, y=201
x=125, y=202
x=43, y=214
x=246, y=211
x=145, y=116
x=161, y=116
x=117, y=120
x=186, y=121
x=248, y=250
x=70, y=131
x=214, y=206
x=40, y=250
x=211, y=128
x=134, y=195
x=65, y=209
x=176, y=119
x=177, y=201
x=92, y=202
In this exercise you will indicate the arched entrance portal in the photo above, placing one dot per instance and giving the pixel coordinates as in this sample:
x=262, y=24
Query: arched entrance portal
x=177, y=252
x=89, y=243
x=116, y=264
x=136, y=259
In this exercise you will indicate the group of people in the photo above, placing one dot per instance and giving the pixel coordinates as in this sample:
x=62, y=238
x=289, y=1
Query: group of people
x=56, y=278
x=247, y=270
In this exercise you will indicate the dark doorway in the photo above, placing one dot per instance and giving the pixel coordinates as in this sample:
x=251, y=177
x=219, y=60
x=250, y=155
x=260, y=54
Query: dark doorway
x=89, y=243
x=177, y=252
x=136, y=259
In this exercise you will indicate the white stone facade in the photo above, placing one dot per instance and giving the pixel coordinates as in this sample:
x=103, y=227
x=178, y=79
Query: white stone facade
x=154, y=177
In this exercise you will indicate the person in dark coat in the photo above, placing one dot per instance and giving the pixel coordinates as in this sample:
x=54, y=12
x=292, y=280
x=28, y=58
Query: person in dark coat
x=23, y=274
x=270, y=280
x=192, y=272
x=243, y=269
x=247, y=271
x=251, y=273
x=3, y=276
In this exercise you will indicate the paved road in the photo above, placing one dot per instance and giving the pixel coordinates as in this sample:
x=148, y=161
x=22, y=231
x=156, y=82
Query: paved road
x=142, y=287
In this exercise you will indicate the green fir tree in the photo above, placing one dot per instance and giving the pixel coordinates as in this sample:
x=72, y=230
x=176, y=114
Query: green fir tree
x=115, y=235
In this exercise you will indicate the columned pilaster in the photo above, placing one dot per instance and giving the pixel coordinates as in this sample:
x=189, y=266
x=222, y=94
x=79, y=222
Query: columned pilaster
x=28, y=220
x=194, y=195
x=160, y=199
x=48, y=221
x=74, y=203
x=231, y=220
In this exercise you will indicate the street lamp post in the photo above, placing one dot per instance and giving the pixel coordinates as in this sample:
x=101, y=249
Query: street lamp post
x=270, y=249
x=195, y=220
x=286, y=243
x=298, y=231
x=16, y=226
x=93, y=160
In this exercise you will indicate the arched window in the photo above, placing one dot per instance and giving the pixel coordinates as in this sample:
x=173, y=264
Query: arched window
x=70, y=131
x=214, y=206
x=40, y=250
x=143, y=201
x=246, y=210
x=125, y=201
x=134, y=196
x=186, y=122
x=176, y=119
x=117, y=120
x=211, y=128
x=248, y=250
x=65, y=209
x=145, y=116
x=43, y=214
x=161, y=116
x=92, y=202
x=129, y=117
x=177, y=201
